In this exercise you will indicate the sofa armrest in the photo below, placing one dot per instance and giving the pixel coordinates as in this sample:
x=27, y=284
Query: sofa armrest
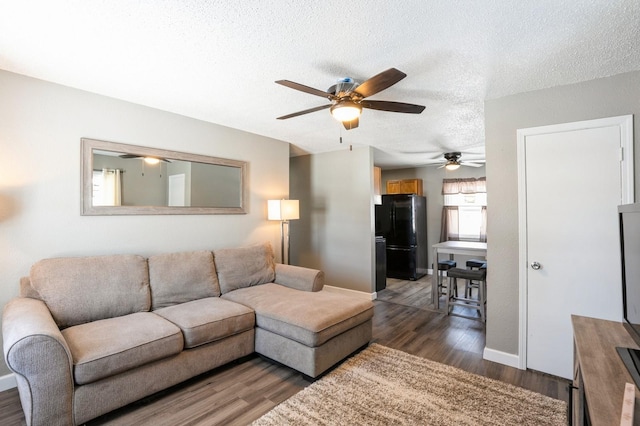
x=27, y=290
x=299, y=278
x=36, y=351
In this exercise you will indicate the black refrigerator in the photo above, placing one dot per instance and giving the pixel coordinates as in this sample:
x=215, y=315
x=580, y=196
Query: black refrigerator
x=402, y=220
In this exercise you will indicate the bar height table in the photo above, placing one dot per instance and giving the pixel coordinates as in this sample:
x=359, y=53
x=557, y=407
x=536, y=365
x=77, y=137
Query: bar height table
x=468, y=248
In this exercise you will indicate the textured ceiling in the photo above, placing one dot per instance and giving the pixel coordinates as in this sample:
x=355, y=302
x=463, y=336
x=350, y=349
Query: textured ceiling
x=217, y=60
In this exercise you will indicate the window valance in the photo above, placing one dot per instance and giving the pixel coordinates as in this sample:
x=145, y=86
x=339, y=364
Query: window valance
x=464, y=186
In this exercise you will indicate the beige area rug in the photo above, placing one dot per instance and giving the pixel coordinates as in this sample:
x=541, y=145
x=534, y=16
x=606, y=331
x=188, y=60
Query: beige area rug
x=383, y=386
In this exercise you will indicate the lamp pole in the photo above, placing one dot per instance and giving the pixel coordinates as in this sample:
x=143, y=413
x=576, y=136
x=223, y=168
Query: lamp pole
x=282, y=241
x=284, y=211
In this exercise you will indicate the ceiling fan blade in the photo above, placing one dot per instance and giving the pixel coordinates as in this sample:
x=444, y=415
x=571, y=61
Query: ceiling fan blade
x=393, y=106
x=306, y=111
x=305, y=89
x=379, y=82
x=351, y=124
x=466, y=163
x=129, y=156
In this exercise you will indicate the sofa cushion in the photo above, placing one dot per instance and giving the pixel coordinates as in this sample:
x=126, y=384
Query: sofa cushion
x=244, y=266
x=310, y=318
x=206, y=320
x=84, y=289
x=106, y=347
x=182, y=277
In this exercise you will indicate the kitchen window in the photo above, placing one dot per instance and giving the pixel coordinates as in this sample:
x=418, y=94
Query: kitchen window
x=464, y=216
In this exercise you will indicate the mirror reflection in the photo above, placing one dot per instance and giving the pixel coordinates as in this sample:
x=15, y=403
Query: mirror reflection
x=128, y=179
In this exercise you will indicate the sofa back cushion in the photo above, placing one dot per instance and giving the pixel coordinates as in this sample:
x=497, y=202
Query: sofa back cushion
x=85, y=289
x=182, y=277
x=244, y=266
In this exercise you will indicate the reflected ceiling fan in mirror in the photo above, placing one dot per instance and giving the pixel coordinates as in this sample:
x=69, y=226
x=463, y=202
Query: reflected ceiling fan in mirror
x=347, y=98
x=148, y=160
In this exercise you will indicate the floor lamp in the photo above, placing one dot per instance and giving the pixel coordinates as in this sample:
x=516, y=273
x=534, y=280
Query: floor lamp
x=284, y=211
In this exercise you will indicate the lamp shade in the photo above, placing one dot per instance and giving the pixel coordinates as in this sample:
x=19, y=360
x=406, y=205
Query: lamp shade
x=283, y=209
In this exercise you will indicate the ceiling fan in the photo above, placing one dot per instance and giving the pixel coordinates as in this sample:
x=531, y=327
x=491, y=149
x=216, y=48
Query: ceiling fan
x=147, y=159
x=347, y=97
x=452, y=161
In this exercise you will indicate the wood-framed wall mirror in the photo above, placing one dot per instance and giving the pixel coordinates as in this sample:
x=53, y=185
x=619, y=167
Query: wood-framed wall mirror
x=122, y=179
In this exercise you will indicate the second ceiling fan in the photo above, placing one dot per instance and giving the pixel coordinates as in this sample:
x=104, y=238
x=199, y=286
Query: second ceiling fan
x=452, y=161
x=348, y=97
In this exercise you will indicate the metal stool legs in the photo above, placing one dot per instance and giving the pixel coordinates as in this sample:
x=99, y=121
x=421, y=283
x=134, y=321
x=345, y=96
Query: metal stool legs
x=470, y=285
x=444, y=265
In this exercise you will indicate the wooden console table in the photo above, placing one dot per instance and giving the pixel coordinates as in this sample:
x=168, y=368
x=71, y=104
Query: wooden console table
x=599, y=373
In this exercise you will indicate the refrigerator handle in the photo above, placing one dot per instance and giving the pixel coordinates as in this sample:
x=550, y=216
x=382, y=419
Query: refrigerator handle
x=393, y=219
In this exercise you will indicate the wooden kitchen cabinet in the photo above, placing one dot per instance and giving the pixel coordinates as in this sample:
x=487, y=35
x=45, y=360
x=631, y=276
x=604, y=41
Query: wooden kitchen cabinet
x=405, y=186
x=377, y=185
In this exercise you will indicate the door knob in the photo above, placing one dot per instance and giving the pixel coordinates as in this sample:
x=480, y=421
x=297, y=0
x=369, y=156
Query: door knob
x=535, y=266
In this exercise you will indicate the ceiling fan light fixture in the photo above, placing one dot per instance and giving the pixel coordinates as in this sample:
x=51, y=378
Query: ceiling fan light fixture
x=452, y=165
x=151, y=160
x=346, y=111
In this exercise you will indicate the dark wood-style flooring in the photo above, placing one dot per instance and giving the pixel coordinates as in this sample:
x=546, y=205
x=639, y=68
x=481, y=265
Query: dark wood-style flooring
x=241, y=392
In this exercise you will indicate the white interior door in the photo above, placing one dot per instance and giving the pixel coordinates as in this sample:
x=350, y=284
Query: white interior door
x=177, y=190
x=572, y=182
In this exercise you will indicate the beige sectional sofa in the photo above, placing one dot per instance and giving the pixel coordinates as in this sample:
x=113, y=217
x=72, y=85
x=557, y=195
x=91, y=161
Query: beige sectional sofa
x=89, y=335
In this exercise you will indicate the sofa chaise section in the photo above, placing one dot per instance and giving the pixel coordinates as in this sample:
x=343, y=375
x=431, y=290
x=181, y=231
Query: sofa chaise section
x=297, y=324
x=307, y=331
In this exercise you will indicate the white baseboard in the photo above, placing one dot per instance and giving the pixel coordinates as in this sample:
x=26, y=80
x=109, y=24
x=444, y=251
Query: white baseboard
x=8, y=382
x=368, y=296
x=501, y=357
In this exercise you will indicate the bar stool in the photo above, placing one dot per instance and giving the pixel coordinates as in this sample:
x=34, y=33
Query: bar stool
x=444, y=265
x=470, y=285
x=475, y=263
x=479, y=275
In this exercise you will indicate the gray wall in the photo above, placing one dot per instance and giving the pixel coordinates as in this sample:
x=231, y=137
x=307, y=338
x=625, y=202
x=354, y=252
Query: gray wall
x=40, y=129
x=607, y=97
x=335, y=232
x=216, y=186
x=432, y=189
